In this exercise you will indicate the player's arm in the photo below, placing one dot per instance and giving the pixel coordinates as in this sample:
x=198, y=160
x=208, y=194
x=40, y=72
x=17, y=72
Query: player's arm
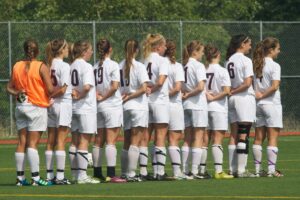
x=221, y=95
x=159, y=83
x=176, y=89
x=79, y=95
x=11, y=89
x=243, y=87
x=271, y=90
x=200, y=87
x=44, y=72
x=113, y=88
x=59, y=92
x=137, y=93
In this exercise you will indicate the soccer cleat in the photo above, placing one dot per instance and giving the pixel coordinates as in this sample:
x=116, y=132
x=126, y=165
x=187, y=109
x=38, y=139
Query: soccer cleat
x=246, y=174
x=134, y=179
x=147, y=177
x=261, y=173
x=164, y=177
x=51, y=181
x=117, y=180
x=88, y=180
x=223, y=175
x=22, y=182
x=204, y=175
x=183, y=177
x=276, y=174
x=40, y=182
x=62, y=182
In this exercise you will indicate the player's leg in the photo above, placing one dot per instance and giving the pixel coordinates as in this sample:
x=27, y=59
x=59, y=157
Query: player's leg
x=174, y=151
x=124, y=153
x=260, y=134
x=49, y=153
x=20, y=157
x=161, y=130
x=97, y=153
x=186, y=149
x=202, y=171
x=144, y=153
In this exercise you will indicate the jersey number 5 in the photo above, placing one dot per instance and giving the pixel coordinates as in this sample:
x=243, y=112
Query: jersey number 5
x=230, y=68
x=53, y=78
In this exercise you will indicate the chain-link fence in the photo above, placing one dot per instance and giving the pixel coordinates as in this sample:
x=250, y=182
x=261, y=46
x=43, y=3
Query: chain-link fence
x=13, y=34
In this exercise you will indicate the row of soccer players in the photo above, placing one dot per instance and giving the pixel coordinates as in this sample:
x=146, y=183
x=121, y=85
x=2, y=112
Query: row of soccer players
x=178, y=99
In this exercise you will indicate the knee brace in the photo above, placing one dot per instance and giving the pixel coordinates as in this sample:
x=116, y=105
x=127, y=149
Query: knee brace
x=241, y=147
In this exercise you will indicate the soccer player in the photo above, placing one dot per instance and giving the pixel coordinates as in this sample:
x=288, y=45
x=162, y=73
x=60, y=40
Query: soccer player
x=268, y=104
x=109, y=111
x=134, y=79
x=241, y=117
x=194, y=105
x=176, y=121
x=217, y=89
x=31, y=84
x=157, y=67
x=84, y=122
x=60, y=112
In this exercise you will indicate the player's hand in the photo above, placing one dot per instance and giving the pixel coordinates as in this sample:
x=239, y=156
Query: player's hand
x=258, y=95
x=148, y=90
x=185, y=96
x=209, y=96
x=125, y=98
x=99, y=97
x=75, y=94
x=51, y=102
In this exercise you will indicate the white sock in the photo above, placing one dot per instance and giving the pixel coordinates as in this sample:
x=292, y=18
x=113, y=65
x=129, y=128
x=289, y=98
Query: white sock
x=124, y=162
x=73, y=161
x=161, y=155
x=34, y=162
x=154, y=161
x=196, y=158
x=174, y=153
x=97, y=156
x=133, y=157
x=82, y=161
x=143, y=160
x=217, y=153
x=257, y=156
x=203, y=160
x=20, y=165
x=111, y=155
x=232, y=158
x=49, y=164
x=272, y=158
x=241, y=158
x=185, y=151
x=60, y=164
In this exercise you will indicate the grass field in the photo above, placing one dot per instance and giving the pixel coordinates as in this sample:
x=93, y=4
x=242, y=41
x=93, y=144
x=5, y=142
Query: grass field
x=287, y=187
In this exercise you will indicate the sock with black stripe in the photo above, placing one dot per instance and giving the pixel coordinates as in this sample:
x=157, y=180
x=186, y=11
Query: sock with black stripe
x=174, y=152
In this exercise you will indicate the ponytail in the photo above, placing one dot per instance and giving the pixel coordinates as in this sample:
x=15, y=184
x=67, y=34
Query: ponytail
x=131, y=48
x=31, y=51
x=211, y=52
x=79, y=48
x=189, y=49
x=103, y=47
x=54, y=49
x=171, y=50
x=235, y=43
x=152, y=41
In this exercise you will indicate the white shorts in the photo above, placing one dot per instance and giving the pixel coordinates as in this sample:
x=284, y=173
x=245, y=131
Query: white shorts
x=135, y=118
x=110, y=118
x=241, y=108
x=84, y=123
x=176, y=122
x=32, y=117
x=269, y=115
x=217, y=121
x=60, y=114
x=158, y=113
x=195, y=118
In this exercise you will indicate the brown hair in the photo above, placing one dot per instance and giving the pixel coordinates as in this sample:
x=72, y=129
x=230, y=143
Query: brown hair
x=103, y=46
x=54, y=48
x=211, y=52
x=131, y=47
x=262, y=49
x=171, y=50
x=235, y=43
x=79, y=48
x=188, y=50
x=152, y=41
x=31, y=51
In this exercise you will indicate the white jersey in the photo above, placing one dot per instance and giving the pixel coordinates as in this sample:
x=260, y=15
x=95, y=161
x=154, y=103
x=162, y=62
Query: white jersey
x=239, y=68
x=137, y=76
x=105, y=74
x=156, y=66
x=60, y=76
x=194, y=73
x=81, y=75
x=217, y=78
x=271, y=71
x=176, y=74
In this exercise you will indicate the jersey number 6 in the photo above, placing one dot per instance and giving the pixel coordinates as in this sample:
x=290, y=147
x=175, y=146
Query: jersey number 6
x=230, y=68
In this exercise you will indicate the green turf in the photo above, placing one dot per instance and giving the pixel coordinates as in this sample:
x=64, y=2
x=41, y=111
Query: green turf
x=287, y=187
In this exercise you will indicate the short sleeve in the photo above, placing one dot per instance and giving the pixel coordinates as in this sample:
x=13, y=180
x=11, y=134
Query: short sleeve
x=248, y=68
x=88, y=76
x=276, y=72
x=115, y=73
x=164, y=67
x=65, y=75
x=200, y=73
x=143, y=75
x=225, y=79
x=179, y=76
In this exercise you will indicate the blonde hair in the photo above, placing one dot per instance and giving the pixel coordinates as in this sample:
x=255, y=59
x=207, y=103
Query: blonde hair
x=54, y=48
x=131, y=47
x=189, y=49
x=152, y=41
x=262, y=49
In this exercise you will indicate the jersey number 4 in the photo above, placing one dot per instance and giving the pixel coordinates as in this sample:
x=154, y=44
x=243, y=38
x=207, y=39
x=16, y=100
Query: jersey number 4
x=149, y=70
